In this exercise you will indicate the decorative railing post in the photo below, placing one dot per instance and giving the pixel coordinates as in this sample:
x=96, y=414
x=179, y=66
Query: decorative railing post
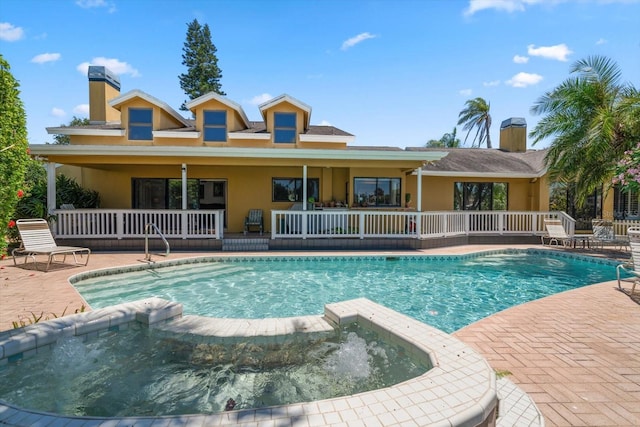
x=184, y=222
x=119, y=225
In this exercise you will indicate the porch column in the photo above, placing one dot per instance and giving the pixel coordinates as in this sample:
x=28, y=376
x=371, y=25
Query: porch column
x=184, y=186
x=419, y=190
x=304, y=188
x=51, y=187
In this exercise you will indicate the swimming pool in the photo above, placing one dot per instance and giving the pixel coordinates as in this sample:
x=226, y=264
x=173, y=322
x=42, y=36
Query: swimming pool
x=448, y=292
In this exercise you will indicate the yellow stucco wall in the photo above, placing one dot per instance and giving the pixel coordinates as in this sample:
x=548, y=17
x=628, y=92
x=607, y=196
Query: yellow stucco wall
x=100, y=93
x=524, y=195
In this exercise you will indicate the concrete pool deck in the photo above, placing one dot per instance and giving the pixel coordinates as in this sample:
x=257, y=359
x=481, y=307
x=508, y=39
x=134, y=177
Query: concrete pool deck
x=576, y=354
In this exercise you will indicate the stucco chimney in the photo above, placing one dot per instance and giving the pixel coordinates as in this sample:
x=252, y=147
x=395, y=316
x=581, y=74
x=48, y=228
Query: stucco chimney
x=104, y=85
x=513, y=135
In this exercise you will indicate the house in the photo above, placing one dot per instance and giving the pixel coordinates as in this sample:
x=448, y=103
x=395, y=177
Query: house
x=145, y=159
x=509, y=178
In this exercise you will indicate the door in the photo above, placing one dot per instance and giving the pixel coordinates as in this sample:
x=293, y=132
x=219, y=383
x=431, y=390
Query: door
x=213, y=195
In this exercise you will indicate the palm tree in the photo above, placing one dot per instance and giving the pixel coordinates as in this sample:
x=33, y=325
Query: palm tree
x=448, y=140
x=476, y=115
x=591, y=118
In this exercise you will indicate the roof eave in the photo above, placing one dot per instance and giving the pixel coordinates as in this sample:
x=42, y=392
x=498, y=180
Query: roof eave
x=231, y=152
x=467, y=174
x=327, y=138
x=85, y=132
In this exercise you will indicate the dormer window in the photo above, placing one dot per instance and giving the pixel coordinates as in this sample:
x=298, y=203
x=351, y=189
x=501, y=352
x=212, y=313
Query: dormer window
x=284, y=128
x=215, y=125
x=141, y=124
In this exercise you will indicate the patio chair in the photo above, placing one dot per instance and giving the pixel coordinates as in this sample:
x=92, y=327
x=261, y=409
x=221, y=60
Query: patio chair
x=38, y=240
x=556, y=234
x=604, y=234
x=632, y=267
x=254, y=219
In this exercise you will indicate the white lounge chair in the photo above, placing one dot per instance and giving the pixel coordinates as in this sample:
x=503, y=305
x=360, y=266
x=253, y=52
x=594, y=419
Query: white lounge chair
x=632, y=267
x=604, y=234
x=556, y=234
x=38, y=240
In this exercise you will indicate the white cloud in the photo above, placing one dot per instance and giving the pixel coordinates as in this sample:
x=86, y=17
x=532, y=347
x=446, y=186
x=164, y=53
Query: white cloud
x=88, y=4
x=491, y=83
x=112, y=64
x=465, y=92
x=501, y=5
x=324, y=123
x=10, y=33
x=558, y=52
x=520, y=59
x=260, y=99
x=524, y=79
x=601, y=41
x=45, y=57
x=357, y=39
x=58, y=112
x=91, y=4
x=82, y=109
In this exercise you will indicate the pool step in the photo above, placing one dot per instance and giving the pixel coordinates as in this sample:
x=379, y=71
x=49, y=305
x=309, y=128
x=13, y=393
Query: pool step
x=245, y=245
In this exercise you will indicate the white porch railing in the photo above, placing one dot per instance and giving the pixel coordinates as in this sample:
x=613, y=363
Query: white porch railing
x=620, y=226
x=379, y=224
x=361, y=224
x=123, y=223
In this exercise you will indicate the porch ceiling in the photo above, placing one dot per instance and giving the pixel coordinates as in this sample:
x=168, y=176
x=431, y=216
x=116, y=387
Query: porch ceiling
x=154, y=155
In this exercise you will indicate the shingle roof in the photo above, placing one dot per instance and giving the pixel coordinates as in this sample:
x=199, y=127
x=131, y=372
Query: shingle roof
x=260, y=127
x=484, y=161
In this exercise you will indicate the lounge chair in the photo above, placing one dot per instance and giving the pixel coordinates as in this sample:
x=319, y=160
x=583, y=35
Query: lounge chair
x=556, y=234
x=254, y=219
x=631, y=268
x=38, y=240
x=603, y=234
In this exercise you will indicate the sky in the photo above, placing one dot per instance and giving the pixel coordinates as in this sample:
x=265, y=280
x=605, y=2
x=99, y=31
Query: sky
x=391, y=72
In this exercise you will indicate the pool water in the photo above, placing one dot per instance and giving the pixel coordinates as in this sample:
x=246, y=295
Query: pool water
x=447, y=292
x=143, y=372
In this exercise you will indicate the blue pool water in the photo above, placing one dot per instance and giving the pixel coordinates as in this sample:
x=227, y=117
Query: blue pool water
x=447, y=292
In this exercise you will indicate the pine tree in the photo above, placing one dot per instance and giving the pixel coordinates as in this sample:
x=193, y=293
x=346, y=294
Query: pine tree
x=203, y=74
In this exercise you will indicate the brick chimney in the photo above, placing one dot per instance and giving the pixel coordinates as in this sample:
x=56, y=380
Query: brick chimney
x=513, y=135
x=104, y=85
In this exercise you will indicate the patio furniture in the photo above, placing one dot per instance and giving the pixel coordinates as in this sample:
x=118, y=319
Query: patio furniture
x=38, y=240
x=604, y=234
x=254, y=219
x=632, y=267
x=556, y=234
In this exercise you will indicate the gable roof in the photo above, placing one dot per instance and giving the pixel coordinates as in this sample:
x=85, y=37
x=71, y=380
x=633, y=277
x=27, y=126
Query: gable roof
x=485, y=162
x=136, y=93
x=291, y=100
x=221, y=99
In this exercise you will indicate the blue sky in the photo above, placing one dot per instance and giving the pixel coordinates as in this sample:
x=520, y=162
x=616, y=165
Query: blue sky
x=393, y=73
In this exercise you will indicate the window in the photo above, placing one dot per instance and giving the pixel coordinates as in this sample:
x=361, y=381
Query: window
x=625, y=204
x=163, y=193
x=480, y=196
x=215, y=126
x=376, y=192
x=284, y=128
x=141, y=123
x=290, y=189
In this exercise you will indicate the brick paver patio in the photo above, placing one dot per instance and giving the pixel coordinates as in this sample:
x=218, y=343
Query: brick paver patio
x=577, y=354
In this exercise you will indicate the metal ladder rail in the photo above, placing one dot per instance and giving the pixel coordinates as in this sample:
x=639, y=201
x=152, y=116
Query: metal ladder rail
x=147, y=255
